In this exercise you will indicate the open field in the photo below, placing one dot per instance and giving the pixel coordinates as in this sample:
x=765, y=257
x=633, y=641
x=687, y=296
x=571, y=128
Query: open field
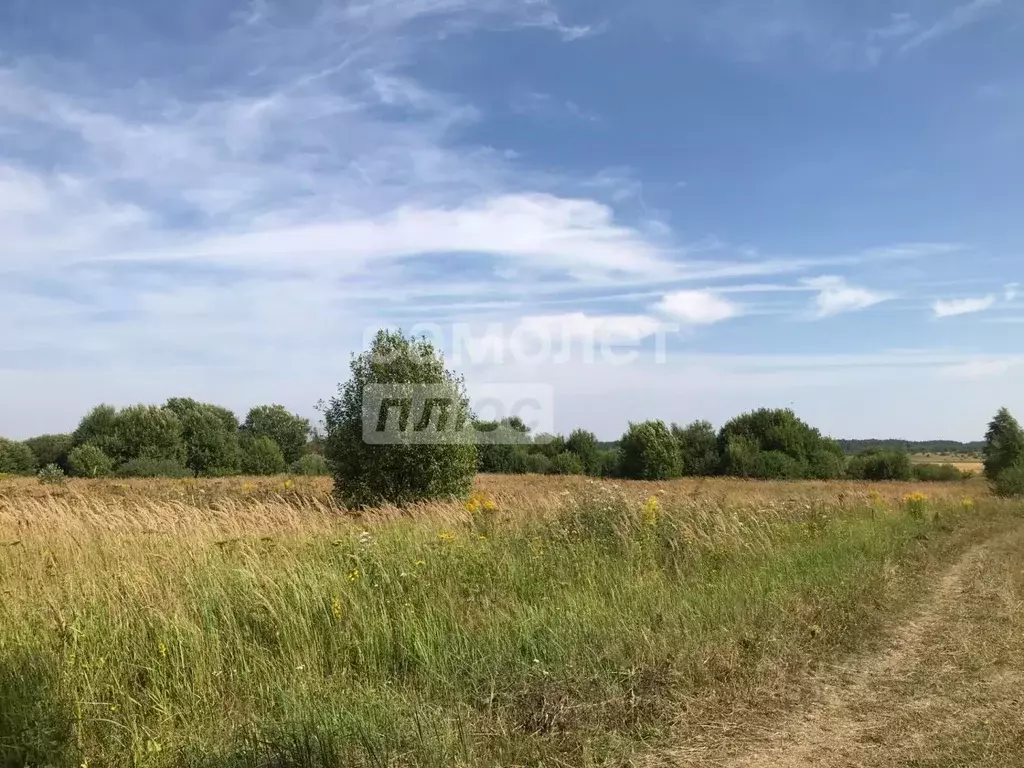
x=964, y=462
x=549, y=621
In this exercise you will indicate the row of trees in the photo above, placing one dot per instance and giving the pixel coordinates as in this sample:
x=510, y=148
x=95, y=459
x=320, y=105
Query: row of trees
x=186, y=437
x=181, y=438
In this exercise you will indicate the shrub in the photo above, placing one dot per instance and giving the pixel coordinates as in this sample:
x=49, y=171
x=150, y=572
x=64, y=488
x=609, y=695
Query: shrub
x=649, y=452
x=262, y=456
x=288, y=430
x=51, y=474
x=779, y=431
x=938, y=473
x=611, y=462
x=89, y=461
x=16, y=458
x=1010, y=483
x=698, y=448
x=1004, y=444
x=584, y=445
x=537, y=464
x=879, y=466
x=147, y=467
x=549, y=445
x=413, y=465
x=51, y=449
x=567, y=463
x=311, y=465
x=776, y=465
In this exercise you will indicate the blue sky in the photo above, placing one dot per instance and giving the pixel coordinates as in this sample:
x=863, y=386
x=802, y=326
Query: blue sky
x=805, y=204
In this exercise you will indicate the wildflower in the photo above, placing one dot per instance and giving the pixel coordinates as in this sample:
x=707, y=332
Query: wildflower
x=420, y=563
x=354, y=575
x=480, y=502
x=446, y=537
x=336, y=608
x=967, y=504
x=652, y=511
x=163, y=649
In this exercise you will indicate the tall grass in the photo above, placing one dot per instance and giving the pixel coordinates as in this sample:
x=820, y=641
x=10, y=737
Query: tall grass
x=572, y=629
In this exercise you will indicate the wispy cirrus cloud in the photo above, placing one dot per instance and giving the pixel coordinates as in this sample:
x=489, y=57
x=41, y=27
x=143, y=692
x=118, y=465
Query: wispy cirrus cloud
x=836, y=296
x=968, y=306
x=698, y=307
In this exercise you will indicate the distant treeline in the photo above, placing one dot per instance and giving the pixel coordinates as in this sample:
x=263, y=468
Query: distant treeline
x=186, y=438
x=854, y=447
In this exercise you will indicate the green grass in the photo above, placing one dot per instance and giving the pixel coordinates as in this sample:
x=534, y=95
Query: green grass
x=570, y=638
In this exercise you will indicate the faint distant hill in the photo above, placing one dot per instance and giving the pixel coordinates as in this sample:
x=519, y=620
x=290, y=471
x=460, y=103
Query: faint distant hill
x=853, y=447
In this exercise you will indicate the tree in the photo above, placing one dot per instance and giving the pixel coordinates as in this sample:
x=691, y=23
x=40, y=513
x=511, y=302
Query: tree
x=698, y=448
x=289, y=431
x=501, y=446
x=567, y=463
x=548, y=445
x=649, y=452
x=99, y=428
x=262, y=456
x=413, y=462
x=16, y=458
x=89, y=461
x=210, y=434
x=147, y=432
x=584, y=445
x=1004, y=444
x=51, y=449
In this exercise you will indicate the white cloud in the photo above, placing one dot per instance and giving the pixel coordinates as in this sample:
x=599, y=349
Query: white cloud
x=960, y=17
x=698, y=307
x=979, y=369
x=1011, y=291
x=836, y=296
x=955, y=307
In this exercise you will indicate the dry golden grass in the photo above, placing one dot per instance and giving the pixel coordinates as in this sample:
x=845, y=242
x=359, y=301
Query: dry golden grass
x=251, y=622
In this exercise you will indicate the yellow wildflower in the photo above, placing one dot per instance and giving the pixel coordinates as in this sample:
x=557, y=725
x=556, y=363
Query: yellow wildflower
x=336, y=608
x=652, y=511
x=446, y=537
x=354, y=575
x=420, y=563
x=163, y=649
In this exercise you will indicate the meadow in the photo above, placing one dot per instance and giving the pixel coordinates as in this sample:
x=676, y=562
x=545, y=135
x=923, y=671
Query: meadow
x=545, y=621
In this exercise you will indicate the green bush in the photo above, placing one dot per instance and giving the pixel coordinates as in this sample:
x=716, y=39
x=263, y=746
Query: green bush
x=537, y=464
x=567, y=463
x=649, y=452
x=51, y=449
x=1010, y=483
x=698, y=448
x=290, y=431
x=16, y=458
x=262, y=456
x=311, y=465
x=779, y=432
x=880, y=466
x=1004, y=444
x=938, y=473
x=501, y=447
x=51, y=474
x=89, y=461
x=413, y=466
x=147, y=467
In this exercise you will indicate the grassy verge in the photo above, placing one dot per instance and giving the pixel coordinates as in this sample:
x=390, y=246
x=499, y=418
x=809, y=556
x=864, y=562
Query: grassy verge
x=573, y=636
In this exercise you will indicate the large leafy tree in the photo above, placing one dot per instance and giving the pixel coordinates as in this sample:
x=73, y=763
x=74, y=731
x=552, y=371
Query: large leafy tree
x=649, y=452
x=1004, y=444
x=411, y=465
x=289, y=431
x=210, y=434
